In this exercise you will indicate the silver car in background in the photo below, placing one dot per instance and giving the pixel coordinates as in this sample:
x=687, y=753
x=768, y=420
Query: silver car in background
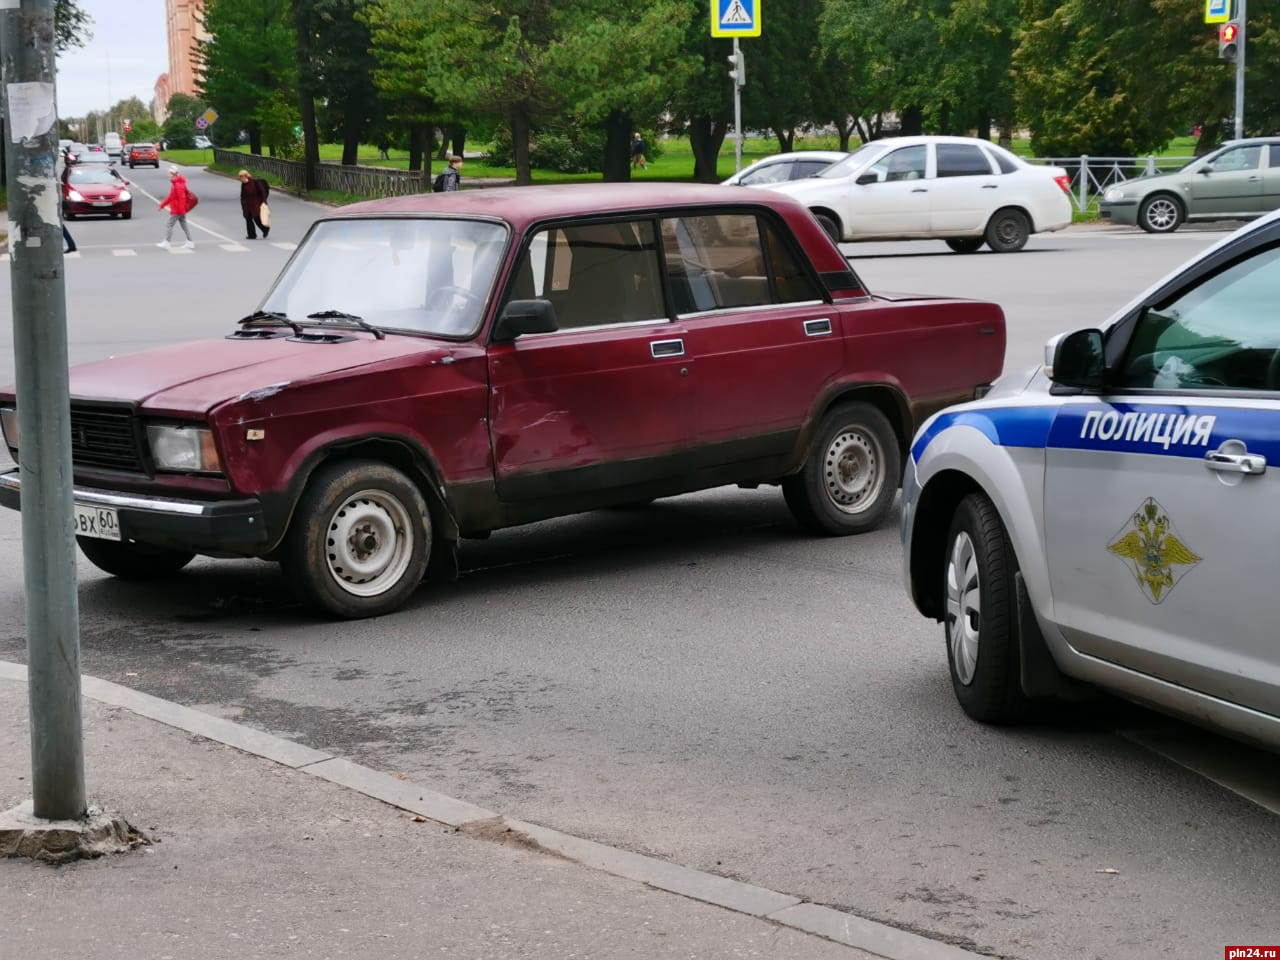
x=1111, y=519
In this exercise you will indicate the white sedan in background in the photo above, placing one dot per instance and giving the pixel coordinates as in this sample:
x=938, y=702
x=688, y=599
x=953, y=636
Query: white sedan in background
x=782, y=167
x=962, y=190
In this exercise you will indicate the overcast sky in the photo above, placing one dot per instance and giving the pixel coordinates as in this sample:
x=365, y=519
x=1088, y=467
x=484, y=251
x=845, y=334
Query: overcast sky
x=128, y=52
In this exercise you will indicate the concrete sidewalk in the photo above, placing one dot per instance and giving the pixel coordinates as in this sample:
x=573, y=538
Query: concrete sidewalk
x=294, y=857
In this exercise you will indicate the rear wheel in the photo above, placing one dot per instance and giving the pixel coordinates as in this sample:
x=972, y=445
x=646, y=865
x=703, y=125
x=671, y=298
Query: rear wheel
x=829, y=226
x=360, y=540
x=1161, y=213
x=1008, y=230
x=851, y=474
x=981, y=621
x=130, y=560
x=966, y=244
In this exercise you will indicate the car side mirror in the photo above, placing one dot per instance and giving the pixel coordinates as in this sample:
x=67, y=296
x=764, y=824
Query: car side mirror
x=1076, y=359
x=866, y=178
x=519, y=317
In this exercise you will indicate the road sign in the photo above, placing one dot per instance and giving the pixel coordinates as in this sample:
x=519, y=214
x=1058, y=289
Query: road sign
x=735, y=18
x=1217, y=11
x=201, y=123
x=127, y=124
x=209, y=116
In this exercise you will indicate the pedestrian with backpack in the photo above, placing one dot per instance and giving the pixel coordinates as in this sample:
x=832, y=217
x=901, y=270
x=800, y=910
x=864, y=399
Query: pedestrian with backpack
x=253, y=204
x=450, y=179
x=180, y=202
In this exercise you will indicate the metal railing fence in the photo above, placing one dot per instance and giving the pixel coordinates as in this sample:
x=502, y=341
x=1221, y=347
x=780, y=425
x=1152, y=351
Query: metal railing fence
x=1090, y=176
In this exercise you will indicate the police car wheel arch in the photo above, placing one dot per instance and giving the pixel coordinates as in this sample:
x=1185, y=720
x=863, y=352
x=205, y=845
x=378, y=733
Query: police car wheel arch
x=981, y=623
x=850, y=473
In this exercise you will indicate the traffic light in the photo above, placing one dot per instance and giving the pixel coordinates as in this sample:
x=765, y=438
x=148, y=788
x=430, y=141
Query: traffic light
x=738, y=68
x=1229, y=41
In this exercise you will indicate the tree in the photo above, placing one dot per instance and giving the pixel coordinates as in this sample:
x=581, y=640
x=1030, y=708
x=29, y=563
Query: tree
x=71, y=26
x=340, y=65
x=405, y=81
x=249, y=59
x=180, y=127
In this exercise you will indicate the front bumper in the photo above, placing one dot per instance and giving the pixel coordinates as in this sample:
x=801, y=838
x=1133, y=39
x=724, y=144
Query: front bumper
x=234, y=526
x=88, y=208
x=1119, y=211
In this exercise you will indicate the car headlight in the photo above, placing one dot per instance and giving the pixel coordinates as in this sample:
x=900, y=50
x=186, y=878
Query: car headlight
x=183, y=449
x=1113, y=193
x=125, y=195
x=74, y=196
x=9, y=424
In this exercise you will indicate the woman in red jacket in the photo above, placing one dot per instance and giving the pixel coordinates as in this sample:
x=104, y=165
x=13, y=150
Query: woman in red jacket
x=179, y=202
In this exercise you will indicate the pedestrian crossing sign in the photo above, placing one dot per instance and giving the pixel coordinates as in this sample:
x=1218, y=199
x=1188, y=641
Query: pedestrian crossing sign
x=735, y=18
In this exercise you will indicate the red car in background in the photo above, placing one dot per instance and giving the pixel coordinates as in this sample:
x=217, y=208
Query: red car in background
x=95, y=189
x=138, y=154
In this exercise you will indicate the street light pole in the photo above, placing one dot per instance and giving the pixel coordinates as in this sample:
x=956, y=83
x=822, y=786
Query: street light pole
x=37, y=283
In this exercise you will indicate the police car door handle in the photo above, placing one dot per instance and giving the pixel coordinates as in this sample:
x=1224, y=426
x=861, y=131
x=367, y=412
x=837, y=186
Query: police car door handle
x=1250, y=463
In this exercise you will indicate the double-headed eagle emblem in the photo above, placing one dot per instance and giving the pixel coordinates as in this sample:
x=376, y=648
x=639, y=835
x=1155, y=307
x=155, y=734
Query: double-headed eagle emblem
x=1151, y=549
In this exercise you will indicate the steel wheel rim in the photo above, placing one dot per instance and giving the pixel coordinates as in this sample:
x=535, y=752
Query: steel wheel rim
x=369, y=543
x=1162, y=214
x=964, y=608
x=1009, y=231
x=853, y=470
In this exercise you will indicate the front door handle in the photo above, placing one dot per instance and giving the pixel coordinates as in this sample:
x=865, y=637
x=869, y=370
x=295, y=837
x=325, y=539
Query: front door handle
x=659, y=349
x=817, y=328
x=991, y=186
x=920, y=190
x=1250, y=463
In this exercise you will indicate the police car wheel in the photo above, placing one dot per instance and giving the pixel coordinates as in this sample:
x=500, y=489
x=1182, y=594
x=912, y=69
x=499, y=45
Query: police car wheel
x=1160, y=213
x=850, y=475
x=980, y=620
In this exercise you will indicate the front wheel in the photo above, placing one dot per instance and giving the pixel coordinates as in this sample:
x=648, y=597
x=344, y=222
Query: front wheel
x=360, y=540
x=965, y=244
x=130, y=560
x=1160, y=214
x=850, y=475
x=829, y=226
x=981, y=621
x=1008, y=231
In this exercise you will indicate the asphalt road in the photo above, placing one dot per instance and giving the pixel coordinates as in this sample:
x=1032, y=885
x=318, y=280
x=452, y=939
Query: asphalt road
x=697, y=680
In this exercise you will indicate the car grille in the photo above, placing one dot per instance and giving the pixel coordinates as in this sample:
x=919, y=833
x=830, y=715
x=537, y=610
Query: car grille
x=106, y=438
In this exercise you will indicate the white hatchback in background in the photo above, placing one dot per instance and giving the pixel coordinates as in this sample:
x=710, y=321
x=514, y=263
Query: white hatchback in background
x=782, y=167
x=962, y=190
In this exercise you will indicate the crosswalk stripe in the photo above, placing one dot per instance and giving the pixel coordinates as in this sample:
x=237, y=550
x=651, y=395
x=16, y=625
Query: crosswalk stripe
x=284, y=246
x=124, y=253
x=74, y=255
x=233, y=247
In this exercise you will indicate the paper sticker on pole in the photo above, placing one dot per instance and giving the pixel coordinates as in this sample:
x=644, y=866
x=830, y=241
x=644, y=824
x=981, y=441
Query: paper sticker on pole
x=735, y=18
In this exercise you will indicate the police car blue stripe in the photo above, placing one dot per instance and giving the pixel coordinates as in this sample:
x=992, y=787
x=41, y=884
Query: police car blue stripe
x=1157, y=429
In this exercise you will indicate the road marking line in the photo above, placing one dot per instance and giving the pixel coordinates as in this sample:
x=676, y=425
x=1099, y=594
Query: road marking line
x=284, y=246
x=191, y=221
x=71, y=256
x=124, y=253
x=1244, y=770
x=233, y=248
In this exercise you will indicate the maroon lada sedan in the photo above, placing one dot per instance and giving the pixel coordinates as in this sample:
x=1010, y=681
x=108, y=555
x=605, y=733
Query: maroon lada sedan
x=95, y=190
x=432, y=368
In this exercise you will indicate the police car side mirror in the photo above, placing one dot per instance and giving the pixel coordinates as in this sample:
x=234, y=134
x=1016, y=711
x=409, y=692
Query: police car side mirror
x=1076, y=359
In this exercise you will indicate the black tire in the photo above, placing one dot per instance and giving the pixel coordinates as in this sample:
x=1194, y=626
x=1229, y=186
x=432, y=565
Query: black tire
x=829, y=226
x=130, y=560
x=349, y=578
x=1161, y=213
x=980, y=619
x=851, y=473
x=127, y=216
x=1008, y=231
x=966, y=244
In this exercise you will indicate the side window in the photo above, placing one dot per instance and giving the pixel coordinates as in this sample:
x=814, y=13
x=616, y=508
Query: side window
x=908, y=163
x=1274, y=150
x=1237, y=158
x=1222, y=334
x=593, y=274
x=766, y=173
x=962, y=160
x=807, y=168
x=1003, y=161
x=718, y=262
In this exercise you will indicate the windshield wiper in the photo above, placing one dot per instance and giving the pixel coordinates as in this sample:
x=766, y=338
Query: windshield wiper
x=265, y=317
x=348, y=318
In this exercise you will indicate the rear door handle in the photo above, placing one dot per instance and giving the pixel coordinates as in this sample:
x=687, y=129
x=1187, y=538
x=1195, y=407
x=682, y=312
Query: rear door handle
x=1250, y=463
x=920, y=190
x=666, y=348
x=991, y=186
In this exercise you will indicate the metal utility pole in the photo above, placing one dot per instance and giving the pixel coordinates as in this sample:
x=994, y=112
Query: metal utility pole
x=1244, y=37
x=44, y=419
x=738, y=71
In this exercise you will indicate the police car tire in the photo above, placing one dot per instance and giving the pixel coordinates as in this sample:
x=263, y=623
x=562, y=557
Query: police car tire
x=807, y=493
x=994, y=695
x=130, y=560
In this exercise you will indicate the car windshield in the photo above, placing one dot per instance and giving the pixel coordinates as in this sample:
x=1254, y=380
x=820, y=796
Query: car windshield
x=81, y=175
x=852, y=162
x=431, y=276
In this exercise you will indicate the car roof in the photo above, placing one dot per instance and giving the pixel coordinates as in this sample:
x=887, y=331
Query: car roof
x=802, y=155
x=931, y=138
x=522, y=206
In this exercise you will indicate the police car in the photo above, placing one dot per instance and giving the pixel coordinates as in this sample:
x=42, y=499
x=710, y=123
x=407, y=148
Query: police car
x=1113, y=518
